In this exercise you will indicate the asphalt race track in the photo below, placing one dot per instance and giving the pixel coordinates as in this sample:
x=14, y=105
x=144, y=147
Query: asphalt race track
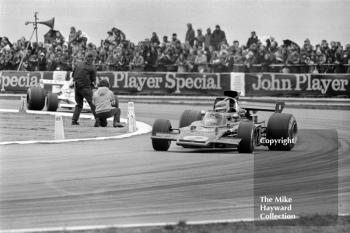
x=126, y=182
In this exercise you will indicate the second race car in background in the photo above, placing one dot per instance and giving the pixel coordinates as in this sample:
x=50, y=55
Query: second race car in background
x=61, y=96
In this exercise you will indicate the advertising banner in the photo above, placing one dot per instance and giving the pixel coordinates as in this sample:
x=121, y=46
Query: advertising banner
x=19, y=81
x=201, y=84
x=166, y=83
x=297, y=85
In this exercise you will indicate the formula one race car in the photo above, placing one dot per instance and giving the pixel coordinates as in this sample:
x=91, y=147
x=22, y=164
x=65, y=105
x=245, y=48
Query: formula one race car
x=228, y=126
x=61, y=96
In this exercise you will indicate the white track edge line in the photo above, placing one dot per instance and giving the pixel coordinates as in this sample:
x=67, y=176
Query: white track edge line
x=99, y=227
x=142, y=128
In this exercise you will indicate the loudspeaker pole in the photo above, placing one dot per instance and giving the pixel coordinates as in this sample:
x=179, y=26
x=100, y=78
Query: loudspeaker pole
x=50, y=23
x=30, y=39
x=36, y=39
x=36, y=28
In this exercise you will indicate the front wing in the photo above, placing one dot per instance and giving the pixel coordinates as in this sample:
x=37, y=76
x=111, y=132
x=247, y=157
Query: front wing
x=70, y=104
x=197, y=140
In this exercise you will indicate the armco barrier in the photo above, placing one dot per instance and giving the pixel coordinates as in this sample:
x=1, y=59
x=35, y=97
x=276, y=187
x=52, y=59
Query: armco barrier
x=196, y=84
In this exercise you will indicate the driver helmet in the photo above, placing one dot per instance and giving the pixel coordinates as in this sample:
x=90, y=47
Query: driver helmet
x=222, y=106
x=210, y=120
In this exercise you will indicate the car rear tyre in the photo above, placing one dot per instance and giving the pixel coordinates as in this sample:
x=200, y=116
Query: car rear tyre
x=282, y=126
x=189, y=116
x=161, y=126
x=52, y=102
x=35, y=98
x=246, y=131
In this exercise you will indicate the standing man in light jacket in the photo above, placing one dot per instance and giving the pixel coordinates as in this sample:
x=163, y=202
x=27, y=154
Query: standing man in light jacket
x=106, y=105
x=84, y=78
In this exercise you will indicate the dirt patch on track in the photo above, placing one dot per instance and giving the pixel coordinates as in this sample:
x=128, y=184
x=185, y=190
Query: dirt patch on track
x=26, y=126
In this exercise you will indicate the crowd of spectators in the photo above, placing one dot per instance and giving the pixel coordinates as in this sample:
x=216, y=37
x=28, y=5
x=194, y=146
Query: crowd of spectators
x=199, y=52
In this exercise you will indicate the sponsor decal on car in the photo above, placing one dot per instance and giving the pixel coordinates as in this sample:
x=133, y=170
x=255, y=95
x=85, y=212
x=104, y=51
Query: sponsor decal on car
x=195, y=138
x=164, y=135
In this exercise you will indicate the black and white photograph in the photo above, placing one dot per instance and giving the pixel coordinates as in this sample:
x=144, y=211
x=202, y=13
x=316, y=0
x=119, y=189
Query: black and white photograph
x=174, y=116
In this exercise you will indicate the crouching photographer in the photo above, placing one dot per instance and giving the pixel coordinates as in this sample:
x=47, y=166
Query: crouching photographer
x=106, y=105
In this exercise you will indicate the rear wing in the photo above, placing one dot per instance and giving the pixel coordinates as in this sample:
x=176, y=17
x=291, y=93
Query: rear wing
x=277, y=108
x=56, y=85
x=59, y=78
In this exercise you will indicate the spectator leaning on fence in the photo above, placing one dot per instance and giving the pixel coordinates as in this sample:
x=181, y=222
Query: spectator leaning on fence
x=190, y=60
x=166, y=61
x=181, y=63
x=151, y=59
x=42, y=62
x=307, y=48
x=293, y=56
x=347, y=57
x=137, y=62
x=339, y=60
x=121, y=60
x=201, y=61
x=215, y=62
x=224, y=63
x=111, y=60
x=178, y=48
x=238, y=57
x=228, y=61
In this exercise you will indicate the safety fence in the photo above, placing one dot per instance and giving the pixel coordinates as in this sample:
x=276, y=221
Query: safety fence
x=251, y=68
x=194, y=84
x=292, y=68
x=214, y=68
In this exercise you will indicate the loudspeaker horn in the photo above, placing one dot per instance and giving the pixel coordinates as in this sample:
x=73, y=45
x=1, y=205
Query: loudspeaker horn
x=50, y=23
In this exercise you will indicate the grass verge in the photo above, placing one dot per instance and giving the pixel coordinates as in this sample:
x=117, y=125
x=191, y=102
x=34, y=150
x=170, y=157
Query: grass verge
x=25, y=126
